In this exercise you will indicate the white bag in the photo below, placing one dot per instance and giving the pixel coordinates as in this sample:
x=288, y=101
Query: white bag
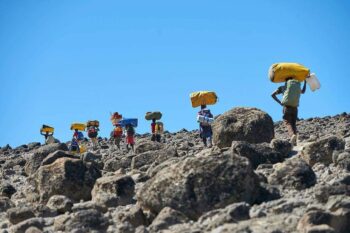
x=205, y=120
x=313, y=82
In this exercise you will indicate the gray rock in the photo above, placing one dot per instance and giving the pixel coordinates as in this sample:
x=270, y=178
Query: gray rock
x=7, y=190
x=230, y=214
x=122, y=188
x=19, y=214
x=131, y=214
x=84, y=221
x=342, y=160
x=197, y=185
x=257, y=153
x=293, y=173
x=146, y=158
x=114, y=164
x=68, y=177
x=38, y=223
x=322, y=150
x=33, y=145
x=339, y=221
x=60, y=203
x=147, y=145
x=34, y=162
x=56, y=155
x=5, y=204
x=242, y=124
x=282, y=146
x=166, y=218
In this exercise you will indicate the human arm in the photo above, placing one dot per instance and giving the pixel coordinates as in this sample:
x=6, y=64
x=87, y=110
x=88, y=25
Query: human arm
x=304, y=88
x=274, y=96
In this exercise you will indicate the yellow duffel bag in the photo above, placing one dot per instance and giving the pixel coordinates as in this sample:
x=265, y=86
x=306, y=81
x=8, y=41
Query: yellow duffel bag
x=279, y=72
x=78, y=126
x=203, y=98
x=93, y=123
x=47, y=129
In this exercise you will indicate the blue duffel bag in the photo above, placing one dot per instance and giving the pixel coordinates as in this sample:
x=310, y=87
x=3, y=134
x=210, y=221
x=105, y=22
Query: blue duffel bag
x=127, y=121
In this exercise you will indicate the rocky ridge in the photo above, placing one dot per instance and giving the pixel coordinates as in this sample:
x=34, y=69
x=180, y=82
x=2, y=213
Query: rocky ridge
x=247, y=183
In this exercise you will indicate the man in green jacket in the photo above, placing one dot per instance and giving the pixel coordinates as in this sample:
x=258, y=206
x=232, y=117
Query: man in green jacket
x=291, y=95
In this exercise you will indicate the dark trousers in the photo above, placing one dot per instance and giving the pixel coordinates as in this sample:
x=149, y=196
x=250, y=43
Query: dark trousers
x=290, y=116
x=156, y=137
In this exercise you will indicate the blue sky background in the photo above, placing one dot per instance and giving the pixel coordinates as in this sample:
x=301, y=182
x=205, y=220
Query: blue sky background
x=64, y=61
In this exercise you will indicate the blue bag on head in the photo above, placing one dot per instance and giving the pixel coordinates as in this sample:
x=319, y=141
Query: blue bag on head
x=127, y=121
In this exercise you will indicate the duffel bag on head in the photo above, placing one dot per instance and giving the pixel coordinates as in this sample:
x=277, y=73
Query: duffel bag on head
x=203, y=98
x=78, y=126
x=280, y=72
x=129, y=121
x=116, y=116
x=47, y=129
x=153, y=115
x=94, y=123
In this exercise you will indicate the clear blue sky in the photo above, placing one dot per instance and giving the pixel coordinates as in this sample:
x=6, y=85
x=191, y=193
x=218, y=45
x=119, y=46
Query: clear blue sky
x=64, y=61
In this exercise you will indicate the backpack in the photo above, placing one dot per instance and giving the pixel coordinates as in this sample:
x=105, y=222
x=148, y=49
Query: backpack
x=80, y=136
x=159, y=128
x=130, y=131
x=117, y=132
x=92, y=132
x=292, y=93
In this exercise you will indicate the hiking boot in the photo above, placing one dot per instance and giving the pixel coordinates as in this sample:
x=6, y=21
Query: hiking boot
x=293, y=140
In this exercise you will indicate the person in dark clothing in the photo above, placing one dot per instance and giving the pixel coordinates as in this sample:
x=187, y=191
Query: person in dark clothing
x=155, y=131
x=290, y=113
x=205, y=130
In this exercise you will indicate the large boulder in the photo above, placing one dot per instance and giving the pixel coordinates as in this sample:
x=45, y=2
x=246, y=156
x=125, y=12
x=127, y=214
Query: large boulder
x=147, y=145
x=294, y=173
x=60, y=203
x=197, y=185
x=119, y=188
x=66, y=176
x=90, y=220
x=166, y=218
x=242, y=124
x=230, y=214
x=257, y=153
x=34, y=162
x=322, y=150
x=19, y=214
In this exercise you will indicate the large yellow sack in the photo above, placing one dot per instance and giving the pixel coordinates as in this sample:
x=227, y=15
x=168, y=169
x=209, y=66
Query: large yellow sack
x=47, y=129
x=203, y=98
x=279, y=72
x=78, y=126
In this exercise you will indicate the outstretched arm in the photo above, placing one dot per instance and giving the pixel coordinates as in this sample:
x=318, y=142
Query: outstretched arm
x=274, y=96
x=304, y=88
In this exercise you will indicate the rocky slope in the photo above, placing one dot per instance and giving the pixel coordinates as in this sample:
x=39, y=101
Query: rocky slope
x=248, y=182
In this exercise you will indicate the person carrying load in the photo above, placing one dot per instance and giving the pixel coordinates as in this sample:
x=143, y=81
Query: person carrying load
x=115, y=118
x=205, y=130
x=47, y=132
x=157, y=128
x=116, y=135
x=204, y=116
x=74, y=146
x=78, y=136
x=92, y=129
x=130, y=124
x=130, y=137
x=292, y=74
